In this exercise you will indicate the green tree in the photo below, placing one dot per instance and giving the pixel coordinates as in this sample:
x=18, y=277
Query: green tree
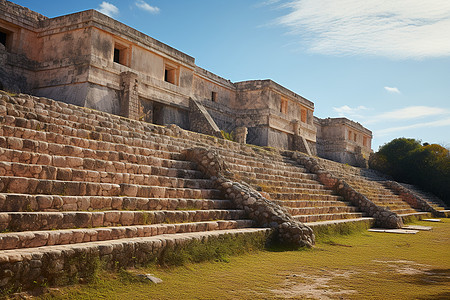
x=426, y=166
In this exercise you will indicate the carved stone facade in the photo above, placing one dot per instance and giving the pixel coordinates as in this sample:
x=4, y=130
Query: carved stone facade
x=343, y=140
x=91, y=60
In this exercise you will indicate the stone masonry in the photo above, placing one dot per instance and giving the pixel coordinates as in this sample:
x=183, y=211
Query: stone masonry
x=265, y=213
x=81, y=188
x=91, y=60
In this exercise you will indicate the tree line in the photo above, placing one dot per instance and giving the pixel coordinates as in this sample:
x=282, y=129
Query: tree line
x=424, y=165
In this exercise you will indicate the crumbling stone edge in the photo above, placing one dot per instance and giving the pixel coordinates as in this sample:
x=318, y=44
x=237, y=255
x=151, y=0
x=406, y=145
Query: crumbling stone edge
x=384, y=218
x=412, y=199
x=262, y=211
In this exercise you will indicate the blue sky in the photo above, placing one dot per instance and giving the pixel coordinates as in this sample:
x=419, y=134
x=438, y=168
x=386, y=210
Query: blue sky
x=383, y=63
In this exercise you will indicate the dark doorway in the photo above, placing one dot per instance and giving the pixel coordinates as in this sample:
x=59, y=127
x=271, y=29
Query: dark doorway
x=3, y=38
x=116, y=55
x=158, y=113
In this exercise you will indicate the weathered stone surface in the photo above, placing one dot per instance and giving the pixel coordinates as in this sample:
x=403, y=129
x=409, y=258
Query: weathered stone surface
x=384, y=217
x=265, y=213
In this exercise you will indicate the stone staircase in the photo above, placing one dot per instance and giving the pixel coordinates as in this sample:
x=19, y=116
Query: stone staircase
x=431, y=199
x=79, y=185
x=370, y=184
x=290, y=185
x=74, y=182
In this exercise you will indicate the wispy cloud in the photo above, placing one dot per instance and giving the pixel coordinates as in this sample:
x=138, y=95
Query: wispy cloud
x=432, y=124
x=396, y=29
x=108, y=9
x=403, y=114
x=267, y=2
x=393, y=90
x=147, y=7
x=408, y=113
x=347, y=111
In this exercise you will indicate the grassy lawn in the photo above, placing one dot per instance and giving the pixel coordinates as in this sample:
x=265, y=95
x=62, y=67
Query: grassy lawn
x=363, y=265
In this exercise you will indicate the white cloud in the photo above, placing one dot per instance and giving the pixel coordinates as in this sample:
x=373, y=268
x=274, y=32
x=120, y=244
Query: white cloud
x=348, y=111
x=108, y=9
x=396, y=29
x=268, y=2
x=408, y=113
x=402, y=114
x=432, y=124
x=392, y=90
x=147, y=7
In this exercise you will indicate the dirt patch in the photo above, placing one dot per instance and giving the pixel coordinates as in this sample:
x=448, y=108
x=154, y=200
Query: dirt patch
x=405, y=267
x=313, y=287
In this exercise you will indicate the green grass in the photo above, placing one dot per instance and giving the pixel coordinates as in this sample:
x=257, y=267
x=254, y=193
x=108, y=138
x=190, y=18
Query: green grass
x=227, y=135
x=364, y=265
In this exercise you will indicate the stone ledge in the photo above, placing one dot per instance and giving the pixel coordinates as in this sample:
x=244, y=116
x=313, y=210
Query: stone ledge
x=56, y=265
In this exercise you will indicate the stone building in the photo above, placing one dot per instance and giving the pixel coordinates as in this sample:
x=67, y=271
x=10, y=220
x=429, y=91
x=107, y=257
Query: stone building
x=92, y=60
x=343, y=140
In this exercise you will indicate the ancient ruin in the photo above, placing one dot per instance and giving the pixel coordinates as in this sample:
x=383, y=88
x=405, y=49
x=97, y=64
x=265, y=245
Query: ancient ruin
x=127, y=162
x=91, y=60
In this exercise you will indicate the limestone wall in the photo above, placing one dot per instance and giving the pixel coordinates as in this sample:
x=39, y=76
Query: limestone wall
x=343, y=140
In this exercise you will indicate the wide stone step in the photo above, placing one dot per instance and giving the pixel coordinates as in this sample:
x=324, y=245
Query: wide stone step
x=17, y=185
x=401, y=211
x=127, y=129
x=50, y=112
x=249, y=164
x=289, y=184
x=76, y=138
x=298, y=196
x=32, y=239
x=59, y=144
x=124, y=127
x=76, y=174
x=273, y=172
x=298, y=177
x=26, y=202
x=310, y=203
x=340, y=225
x=55, y=121
x=321, y=210
x=379, y=189
x=62, y=124
x=163, y=167
x=389, y=201
x=31, y=221
x=327, y=217
x=59, y=124
x=288, y=190
x=374, y=192
x=412, y=216
x=47, y=264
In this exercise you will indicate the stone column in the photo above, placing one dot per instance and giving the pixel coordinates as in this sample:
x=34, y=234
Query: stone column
x=299, y=142
x=240, y=134
x=129, y=99
x=296, y=126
